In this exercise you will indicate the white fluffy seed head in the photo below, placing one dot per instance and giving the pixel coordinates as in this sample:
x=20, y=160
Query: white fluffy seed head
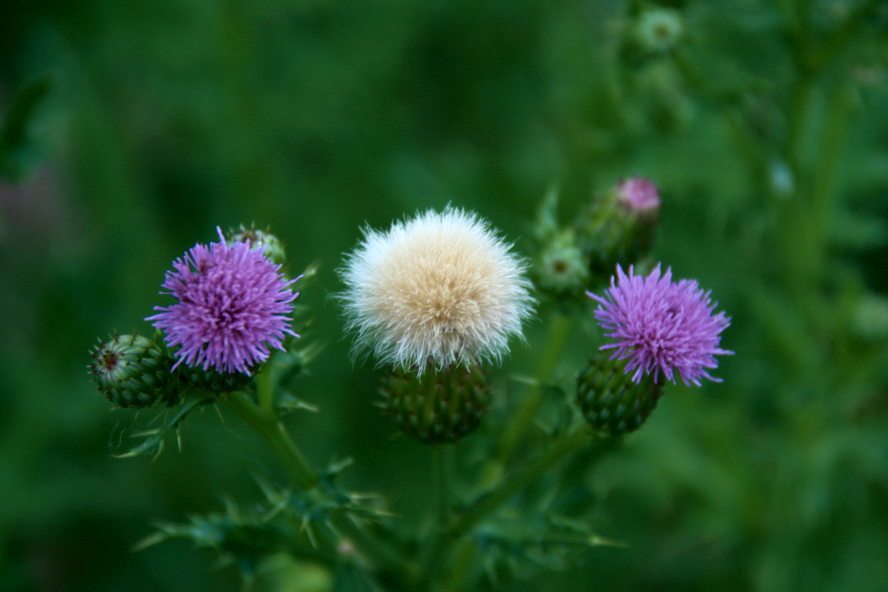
x=438, y=288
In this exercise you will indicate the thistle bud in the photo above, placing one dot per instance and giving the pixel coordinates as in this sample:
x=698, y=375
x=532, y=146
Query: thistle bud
x=611, y=401
x=436, y=406
x=618, y=227
x=269, y=244
x=562, y=268
x=870, y=321
x=658, y=30
x=133, y=371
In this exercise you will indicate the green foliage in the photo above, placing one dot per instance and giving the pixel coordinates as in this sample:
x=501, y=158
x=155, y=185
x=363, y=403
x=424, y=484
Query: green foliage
x=764, y=124
x=19, y=151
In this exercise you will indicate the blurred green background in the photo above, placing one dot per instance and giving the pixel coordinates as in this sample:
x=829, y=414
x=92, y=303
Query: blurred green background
x=132, y=129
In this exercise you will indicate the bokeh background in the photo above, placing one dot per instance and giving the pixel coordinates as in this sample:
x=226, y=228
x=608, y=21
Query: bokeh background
x=132, y=129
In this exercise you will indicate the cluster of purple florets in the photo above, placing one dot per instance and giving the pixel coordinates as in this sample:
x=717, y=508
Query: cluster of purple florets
x=661, y=326
x=233, y=305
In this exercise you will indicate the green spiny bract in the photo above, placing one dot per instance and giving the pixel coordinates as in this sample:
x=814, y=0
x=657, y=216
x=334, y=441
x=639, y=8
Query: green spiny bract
x=610, y=233
x=133, y=371
x=436, y=406
x=611, y=402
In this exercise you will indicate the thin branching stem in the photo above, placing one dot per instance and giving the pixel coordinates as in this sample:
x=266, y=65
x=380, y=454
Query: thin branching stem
x=273, y=432
x=559, y=332
x=264, y=393
x=488, y=503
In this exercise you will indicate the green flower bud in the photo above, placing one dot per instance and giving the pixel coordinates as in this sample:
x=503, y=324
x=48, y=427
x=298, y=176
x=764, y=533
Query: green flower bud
x=870, y=321
x=133, y=371
x=270, y=245
x=437, y=406
x=619, y=226
x=562, y=267
x=658, y=30
x=611, y=402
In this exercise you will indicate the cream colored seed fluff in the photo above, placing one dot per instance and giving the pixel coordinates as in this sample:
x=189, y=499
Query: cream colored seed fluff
x=439, y=288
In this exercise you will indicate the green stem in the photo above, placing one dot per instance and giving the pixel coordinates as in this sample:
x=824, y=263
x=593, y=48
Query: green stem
x=461, y=567
x=491, y=501
x=799, y=108
x=735, y=123
x=264, y=393
x=273, y=432
x=831, y=148
x=559, y=332
x=381, y=556
x=442, y=482
x=434, y=553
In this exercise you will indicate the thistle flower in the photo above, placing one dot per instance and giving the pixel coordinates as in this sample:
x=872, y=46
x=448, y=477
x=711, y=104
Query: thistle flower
x=439, y=288
x=233, y=304
x=661, y=326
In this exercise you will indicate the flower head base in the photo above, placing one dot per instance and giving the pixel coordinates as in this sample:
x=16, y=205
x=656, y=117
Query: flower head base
x=439, y=288
x=233, y=304
x=638, y=195
x=436, y=407
x=661, y=326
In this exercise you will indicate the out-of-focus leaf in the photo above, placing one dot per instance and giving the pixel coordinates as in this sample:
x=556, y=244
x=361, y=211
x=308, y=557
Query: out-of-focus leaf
x=854, y=232
x=18, y=152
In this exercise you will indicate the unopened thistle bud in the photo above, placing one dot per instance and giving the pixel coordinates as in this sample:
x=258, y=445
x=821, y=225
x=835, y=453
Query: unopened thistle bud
x=436, y=406
x=611, y=401
x=562, y=268
x=133, y=371
x=618, y=227
x=658, y=30
x=270, y=245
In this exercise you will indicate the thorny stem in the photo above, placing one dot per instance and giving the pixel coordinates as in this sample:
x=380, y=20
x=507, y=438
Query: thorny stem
x=441, y=545
x=491, y=501
x=273, y=432
x=559, y=332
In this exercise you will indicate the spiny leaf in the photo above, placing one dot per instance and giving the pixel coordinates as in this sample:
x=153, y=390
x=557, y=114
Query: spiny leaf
x=154, y=439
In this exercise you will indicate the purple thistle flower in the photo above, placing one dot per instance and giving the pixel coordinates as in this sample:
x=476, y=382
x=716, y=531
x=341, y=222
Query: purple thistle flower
x=233, y=304
x=661, y=326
